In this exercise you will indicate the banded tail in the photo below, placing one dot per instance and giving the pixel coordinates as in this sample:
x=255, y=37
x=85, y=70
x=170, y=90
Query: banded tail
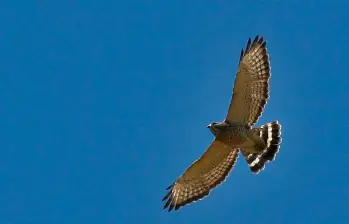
x=270, y=133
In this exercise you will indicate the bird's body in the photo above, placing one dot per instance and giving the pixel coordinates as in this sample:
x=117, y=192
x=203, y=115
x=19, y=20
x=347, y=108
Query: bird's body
x=235, y=134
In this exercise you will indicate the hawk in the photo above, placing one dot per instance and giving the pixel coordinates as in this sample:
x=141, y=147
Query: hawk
x=235, y=134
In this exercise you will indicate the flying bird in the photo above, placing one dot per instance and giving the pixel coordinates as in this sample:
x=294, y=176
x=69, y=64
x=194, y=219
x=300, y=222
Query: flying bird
x=258, y=145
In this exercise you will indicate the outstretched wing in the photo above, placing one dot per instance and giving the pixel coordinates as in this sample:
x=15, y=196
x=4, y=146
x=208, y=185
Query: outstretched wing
x=251, y=87
x=203, y=175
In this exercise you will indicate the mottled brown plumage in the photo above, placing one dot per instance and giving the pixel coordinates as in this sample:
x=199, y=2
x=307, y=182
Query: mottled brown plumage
x=236, y=133
x=251, y=87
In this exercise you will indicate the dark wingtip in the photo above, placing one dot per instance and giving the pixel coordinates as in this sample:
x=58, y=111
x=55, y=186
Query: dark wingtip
x=169, y=187
x=260, y=41
x=167, y=195
x=171, y=207
x=256, y=39
x=248, y=45
x=167, y=203
x=264, y=44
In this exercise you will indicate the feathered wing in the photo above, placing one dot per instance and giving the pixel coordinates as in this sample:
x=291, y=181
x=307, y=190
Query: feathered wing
x=202, y=176
x=251, y=86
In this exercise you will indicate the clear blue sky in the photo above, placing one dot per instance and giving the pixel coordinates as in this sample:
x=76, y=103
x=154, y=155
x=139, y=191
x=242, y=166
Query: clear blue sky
x=103, y=105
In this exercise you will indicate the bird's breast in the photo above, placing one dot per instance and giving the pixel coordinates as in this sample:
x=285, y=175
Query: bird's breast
x=234, y=136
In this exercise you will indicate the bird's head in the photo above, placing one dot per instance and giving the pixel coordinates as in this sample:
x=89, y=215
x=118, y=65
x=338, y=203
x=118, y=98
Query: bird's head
x=216, y=127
